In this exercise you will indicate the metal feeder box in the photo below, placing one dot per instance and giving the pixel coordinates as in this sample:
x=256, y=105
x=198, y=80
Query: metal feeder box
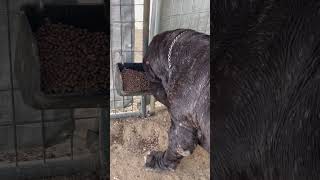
x=119, y=80
x=27, y=65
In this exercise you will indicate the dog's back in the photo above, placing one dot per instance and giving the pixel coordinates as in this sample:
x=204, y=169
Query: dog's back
x=266, y=96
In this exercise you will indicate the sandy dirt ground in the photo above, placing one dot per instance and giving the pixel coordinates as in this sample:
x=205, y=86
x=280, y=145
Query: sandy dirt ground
x=132, y=138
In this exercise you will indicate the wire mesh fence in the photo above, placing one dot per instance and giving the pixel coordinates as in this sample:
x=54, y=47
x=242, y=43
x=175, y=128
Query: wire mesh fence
x=46, y=142
x=126, y=46
x=127, y=23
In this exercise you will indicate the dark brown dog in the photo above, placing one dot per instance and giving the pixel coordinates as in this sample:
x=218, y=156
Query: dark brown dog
x=177, y=65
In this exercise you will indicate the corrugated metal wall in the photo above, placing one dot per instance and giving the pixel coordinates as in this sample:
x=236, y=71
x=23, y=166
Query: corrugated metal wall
x=191, y=14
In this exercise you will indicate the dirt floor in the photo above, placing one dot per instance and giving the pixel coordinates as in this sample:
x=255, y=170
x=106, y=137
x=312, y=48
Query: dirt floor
x=132, y=138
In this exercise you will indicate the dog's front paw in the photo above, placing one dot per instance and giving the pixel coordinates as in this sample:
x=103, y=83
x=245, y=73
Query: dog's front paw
x=154, y=161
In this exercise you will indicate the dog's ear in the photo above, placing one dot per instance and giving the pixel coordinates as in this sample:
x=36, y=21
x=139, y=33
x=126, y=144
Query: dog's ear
x=147, y=66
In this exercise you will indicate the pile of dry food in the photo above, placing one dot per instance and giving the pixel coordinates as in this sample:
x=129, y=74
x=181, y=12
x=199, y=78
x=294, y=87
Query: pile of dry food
x=134, y=81
x=72, y=60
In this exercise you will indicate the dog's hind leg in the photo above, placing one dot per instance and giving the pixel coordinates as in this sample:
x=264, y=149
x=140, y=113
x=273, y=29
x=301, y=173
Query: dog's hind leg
x=182, y=141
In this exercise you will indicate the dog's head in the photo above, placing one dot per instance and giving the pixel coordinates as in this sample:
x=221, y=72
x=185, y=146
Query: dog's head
x=189, y=64
x=155, y=61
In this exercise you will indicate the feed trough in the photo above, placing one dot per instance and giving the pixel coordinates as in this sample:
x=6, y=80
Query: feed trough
x=62, y=56
x=130, y=80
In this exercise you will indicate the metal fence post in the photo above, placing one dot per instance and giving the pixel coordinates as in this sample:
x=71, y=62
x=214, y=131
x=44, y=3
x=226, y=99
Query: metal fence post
x=103, y=143
x=146, y=13
x=13, y=113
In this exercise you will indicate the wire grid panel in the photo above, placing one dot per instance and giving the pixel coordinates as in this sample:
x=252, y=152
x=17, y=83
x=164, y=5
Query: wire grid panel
x=27, y=134
x=126, y=46
x=188, y=14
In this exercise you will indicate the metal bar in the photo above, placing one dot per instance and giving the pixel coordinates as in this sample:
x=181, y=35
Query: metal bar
x=146, y=12
x=132, y=103
x=104, y=127
x=53, y=167
x=1, y=90
x=12, y=88
x=152, y=105
x=122, y=114
x=130, y=51
x=133, y=41
x=125, y=115
x=43, y=135
x=155, y=18
x=143, y=106
x=138, y=4
x=152, y=18
x=5, y=124
x=113, y=84
x=125, y=21
x=72, y=134
x=120, y=100
x=103, y=143
x=127, y=96
x=121, y=44
x=158, y=16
